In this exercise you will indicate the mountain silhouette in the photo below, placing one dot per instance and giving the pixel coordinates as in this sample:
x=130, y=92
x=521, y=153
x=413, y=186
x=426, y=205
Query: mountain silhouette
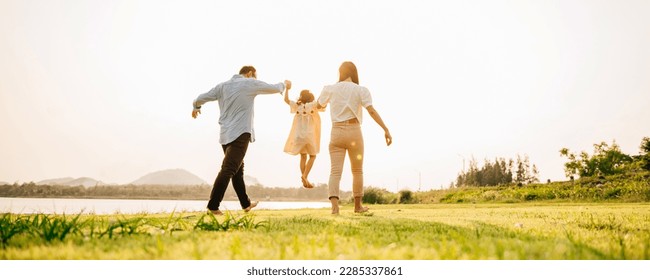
x=164, y=177
x=170, y=177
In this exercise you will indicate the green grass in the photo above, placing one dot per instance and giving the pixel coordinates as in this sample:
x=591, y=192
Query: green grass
x=436, y=231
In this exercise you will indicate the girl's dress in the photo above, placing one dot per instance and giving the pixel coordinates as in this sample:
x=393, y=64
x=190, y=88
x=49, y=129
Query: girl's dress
x=304, y=137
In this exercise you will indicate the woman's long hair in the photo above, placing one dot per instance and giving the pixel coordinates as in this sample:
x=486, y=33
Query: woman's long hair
x=348, y=70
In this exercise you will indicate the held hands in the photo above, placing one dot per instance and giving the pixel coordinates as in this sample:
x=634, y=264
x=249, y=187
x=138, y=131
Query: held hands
x=195, y=113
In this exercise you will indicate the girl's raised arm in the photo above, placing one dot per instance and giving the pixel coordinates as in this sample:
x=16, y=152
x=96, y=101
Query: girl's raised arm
x=286, y=96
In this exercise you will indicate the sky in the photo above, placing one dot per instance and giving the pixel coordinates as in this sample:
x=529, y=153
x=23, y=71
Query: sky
x=103, y=89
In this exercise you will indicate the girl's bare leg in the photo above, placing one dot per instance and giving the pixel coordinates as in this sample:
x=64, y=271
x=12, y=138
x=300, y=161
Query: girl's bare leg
x=303, y=160
x=305, y=173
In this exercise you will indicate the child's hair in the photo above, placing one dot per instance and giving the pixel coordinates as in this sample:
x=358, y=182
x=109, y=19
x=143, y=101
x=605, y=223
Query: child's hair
x=305, y=97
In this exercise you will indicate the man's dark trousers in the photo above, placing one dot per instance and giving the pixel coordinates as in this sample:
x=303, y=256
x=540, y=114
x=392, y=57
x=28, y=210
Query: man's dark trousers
x=232, y=167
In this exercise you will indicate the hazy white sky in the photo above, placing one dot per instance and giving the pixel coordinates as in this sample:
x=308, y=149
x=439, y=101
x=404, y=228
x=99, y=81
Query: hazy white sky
x=103, y=89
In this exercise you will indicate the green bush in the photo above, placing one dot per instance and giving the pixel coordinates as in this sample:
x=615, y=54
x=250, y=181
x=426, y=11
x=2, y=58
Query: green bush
x=613, y=193
x=406, y=197
x=378, y=196
x=531, y=196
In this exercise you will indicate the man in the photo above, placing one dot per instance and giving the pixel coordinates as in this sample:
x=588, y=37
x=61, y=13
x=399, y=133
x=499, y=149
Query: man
x=236, y=101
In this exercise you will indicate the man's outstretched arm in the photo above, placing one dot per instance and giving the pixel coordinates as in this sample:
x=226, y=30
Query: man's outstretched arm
x=211, y=95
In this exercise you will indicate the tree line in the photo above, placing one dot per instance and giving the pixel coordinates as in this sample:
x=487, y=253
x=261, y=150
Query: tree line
x=606, y=160
x=499, y=172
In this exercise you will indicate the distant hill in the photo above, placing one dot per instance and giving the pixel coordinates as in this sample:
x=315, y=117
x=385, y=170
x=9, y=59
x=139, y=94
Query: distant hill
x=170, y=177
x=69, y=181
x=163, y=177
x=86, y=182
x=56, y=181
x=3, y=183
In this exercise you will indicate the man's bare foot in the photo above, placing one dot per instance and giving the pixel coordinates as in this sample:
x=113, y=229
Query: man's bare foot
x=253, y=204
x=216, y=212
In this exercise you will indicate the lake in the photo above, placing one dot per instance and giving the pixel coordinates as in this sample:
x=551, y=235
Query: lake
x=132, y=206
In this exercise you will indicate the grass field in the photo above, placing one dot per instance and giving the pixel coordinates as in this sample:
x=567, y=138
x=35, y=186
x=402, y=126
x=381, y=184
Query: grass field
x=540, y=231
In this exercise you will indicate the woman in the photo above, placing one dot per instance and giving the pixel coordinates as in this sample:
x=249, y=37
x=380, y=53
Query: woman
x=346, y=99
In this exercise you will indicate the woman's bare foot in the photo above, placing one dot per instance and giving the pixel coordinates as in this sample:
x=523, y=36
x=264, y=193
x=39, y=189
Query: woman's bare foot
x=335, y=205
x=357, y=205
x=361, y=210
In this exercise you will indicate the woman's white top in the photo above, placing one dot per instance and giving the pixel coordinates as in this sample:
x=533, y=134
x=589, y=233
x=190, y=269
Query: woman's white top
x=346, y=100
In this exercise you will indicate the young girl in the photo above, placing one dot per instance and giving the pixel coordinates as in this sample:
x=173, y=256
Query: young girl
x=304, y=138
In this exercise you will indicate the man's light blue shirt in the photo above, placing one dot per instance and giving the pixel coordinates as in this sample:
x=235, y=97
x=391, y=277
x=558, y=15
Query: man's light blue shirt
x=236, y=103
